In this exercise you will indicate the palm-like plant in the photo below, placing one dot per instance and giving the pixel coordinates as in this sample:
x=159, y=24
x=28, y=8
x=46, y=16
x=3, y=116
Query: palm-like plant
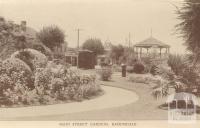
x=189, y=27
x=177, y=63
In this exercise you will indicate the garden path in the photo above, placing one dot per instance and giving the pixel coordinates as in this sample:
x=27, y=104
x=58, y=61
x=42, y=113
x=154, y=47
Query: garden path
x=113, y=97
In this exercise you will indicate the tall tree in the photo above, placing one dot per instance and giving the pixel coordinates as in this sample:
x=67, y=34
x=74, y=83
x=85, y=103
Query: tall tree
x=51, y=36
x=94, y=45
x=189, y=14
x=117, y=52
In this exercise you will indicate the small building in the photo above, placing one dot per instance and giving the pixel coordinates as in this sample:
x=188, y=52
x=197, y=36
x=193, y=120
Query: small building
x=83, y=58
x=152, y=46
x=86, y=59
x=71, y=56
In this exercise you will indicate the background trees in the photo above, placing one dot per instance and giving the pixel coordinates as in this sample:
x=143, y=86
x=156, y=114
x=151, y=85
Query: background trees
x=117, y=52
x=51, y=36
x=94, y=45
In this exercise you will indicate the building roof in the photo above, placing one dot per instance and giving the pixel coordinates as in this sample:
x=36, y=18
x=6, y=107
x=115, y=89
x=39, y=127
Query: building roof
x=73, y=51
x=151, y=42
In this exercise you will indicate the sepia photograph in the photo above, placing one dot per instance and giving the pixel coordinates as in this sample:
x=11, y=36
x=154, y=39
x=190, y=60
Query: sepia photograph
x=100, y=63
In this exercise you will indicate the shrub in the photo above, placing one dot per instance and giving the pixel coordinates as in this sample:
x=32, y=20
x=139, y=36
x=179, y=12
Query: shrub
x=26, y=57
x=64, y=84
x=43, y=49
x=153, y=70
x=177, y=63
x=144, y=78
x=18, y=71
x=116, y=68
x=138, y=79
x=105, y=73
x=187, y=75
x=52, y=84
x=16, y=80
x=130, y=69
x=89, y=85
x=43, y=77
x=138, y=68
x=31, y=57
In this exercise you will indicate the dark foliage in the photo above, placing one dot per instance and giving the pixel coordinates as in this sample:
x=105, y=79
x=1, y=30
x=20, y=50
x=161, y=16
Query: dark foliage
x=94, y=45
x=189, y=27
x=51, y=36
x=138, y=68
x=153, y=70
x=117, y=52
x=27, y=58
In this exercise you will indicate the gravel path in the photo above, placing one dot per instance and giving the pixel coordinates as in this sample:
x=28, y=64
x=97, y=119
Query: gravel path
x=103, y=102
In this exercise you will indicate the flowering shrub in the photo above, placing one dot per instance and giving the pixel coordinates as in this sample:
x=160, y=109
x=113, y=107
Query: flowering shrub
x=64, y=84
x=52, y=84
x=105, y=73
x=15, y=80
x=17, y=72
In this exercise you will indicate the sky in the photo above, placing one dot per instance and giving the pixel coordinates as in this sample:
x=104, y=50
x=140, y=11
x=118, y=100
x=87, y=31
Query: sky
x=111, y=20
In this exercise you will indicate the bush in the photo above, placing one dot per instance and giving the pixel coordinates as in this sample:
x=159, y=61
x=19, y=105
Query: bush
x=43, y=49
x=18, y=71
x=105, y=73
x=185, y=74
x=153, y=70
x=31, y=57
x=52, y=84
x=116, y=68
x=177, y=63
x=138, y=79
x=65, y=84
x=145, y=78
x=138, y=68
x=130, y=69
x=26, y=57
x=16, y=79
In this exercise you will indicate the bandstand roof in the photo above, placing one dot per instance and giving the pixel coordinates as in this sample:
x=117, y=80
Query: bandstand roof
x=151, y=42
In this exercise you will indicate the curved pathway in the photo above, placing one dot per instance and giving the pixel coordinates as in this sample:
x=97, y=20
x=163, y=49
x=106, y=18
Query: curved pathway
x=113, y=97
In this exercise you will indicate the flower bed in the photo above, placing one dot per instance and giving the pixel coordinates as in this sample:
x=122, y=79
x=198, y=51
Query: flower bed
x=20, y=86
x=144, y=78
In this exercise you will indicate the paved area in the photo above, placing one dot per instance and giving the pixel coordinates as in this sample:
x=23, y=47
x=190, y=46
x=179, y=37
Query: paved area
x=113, y=97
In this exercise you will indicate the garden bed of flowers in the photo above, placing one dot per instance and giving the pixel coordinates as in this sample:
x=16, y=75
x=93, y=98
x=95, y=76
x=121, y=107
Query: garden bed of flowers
x=36, y=81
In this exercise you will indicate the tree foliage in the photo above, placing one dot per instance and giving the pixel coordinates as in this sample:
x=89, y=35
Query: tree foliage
x=94, y=45
x=189, y=27
x=51, y=36
x=117, y=52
